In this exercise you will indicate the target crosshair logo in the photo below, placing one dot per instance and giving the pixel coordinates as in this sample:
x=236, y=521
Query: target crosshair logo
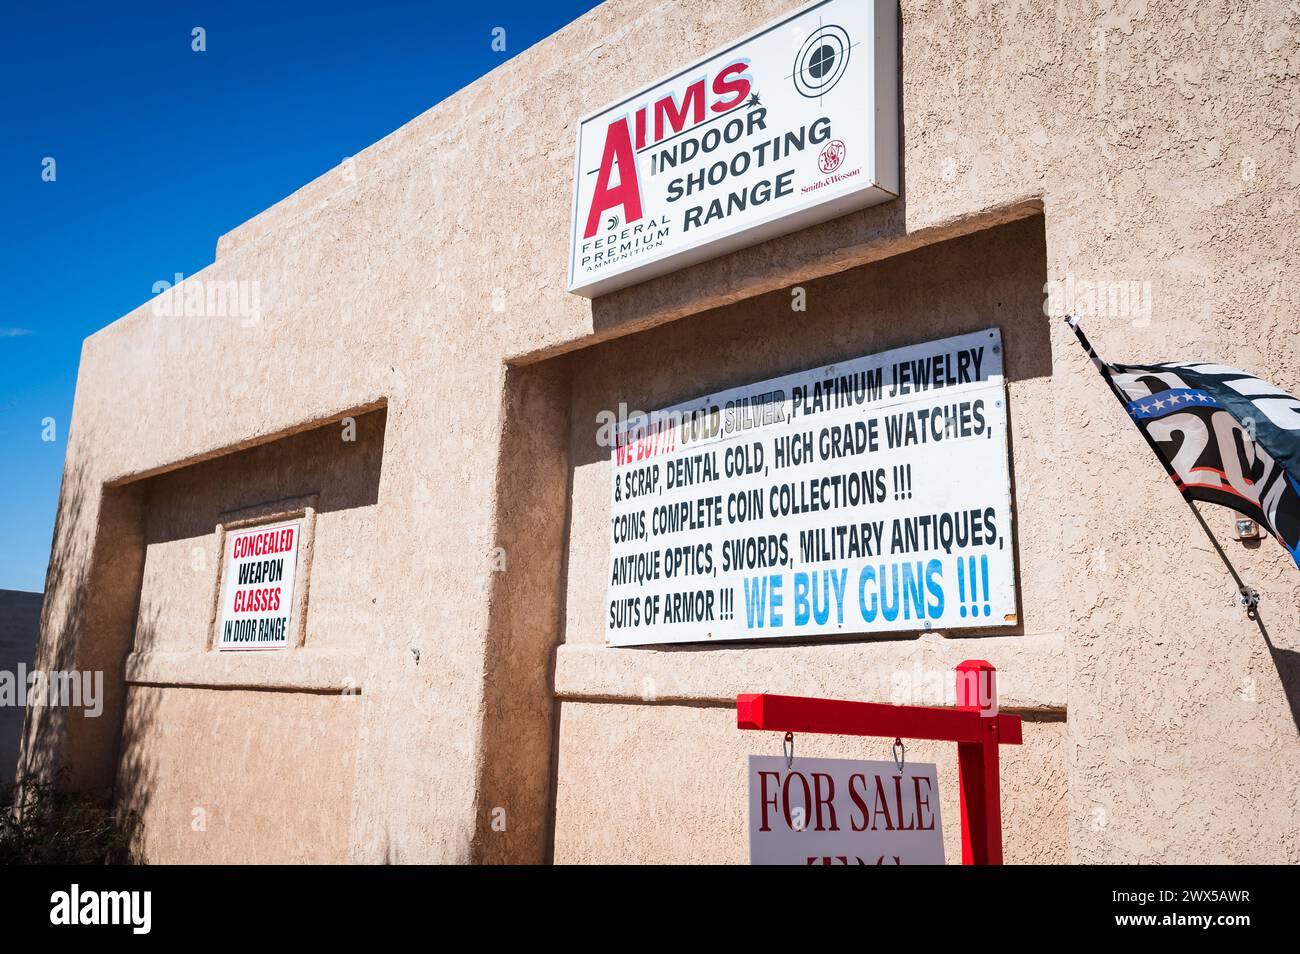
x=821, y=61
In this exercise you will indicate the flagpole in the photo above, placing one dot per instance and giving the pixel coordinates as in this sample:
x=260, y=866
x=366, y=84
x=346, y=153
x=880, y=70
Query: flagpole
x=1249, y=597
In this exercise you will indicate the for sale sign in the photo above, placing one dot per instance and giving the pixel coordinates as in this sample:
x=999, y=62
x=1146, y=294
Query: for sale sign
x=791, y=125
x=843, y=812
x=867, y=496
x=257, y=588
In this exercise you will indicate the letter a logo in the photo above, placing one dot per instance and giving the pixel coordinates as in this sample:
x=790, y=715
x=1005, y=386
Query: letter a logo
x=618, y=148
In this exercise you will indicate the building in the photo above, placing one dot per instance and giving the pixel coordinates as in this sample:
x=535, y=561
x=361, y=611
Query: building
x=394, y=364
x=20, y=615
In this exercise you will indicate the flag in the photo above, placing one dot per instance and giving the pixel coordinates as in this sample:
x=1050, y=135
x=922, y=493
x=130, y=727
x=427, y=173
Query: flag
x=1225, y=437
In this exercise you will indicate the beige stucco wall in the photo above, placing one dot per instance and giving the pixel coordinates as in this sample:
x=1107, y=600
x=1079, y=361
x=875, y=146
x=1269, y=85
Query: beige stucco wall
x=1124, y=142
x=234, y=776
x=665, y=784
x=994, y=278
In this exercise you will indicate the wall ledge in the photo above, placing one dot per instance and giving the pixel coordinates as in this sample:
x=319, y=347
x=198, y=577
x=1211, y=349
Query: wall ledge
x=295, y=670
x=1031, y=671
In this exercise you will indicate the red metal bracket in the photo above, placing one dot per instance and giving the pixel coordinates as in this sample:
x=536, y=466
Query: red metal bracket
x=975, y=725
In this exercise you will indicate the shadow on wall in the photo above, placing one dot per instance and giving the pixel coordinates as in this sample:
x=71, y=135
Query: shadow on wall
x=20, y=621
x=1286, y=661
x=994, y=278
x=68, y=739
x=61, y=614
x=137, y=775
x=97, y=609
x=186, y=503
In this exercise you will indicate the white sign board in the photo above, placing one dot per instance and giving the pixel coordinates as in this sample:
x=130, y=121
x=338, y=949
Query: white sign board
x=843, y=812
x=863, y=497
x=257, y=587
x=792, y=125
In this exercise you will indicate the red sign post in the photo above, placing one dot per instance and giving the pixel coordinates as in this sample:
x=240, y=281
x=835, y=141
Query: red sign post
x=974, y=724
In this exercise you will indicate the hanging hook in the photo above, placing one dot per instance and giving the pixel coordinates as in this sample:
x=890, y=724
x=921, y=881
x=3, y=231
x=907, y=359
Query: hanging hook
x=894, y=750
x=787, y=747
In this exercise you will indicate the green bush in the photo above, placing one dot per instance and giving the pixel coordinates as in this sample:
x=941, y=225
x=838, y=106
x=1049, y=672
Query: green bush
x=42, y=824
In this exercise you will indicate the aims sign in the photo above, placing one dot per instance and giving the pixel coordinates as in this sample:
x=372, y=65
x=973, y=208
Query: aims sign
x=795, y=124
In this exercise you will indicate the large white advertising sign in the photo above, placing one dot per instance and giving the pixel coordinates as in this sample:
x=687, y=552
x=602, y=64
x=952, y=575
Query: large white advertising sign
x=794, y=124
x=843, y=812
x=862, y=497
x=257, y=586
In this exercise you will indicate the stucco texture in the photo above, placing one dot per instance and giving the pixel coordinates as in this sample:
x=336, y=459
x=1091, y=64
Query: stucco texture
x=236, y=776
x=665, y=784
x=1042, y=145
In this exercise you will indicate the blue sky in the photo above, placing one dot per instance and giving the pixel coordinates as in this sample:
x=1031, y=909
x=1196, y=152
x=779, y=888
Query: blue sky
x=159, y=150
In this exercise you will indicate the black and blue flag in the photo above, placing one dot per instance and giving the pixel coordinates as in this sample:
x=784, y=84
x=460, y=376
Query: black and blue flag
x=1225, y=437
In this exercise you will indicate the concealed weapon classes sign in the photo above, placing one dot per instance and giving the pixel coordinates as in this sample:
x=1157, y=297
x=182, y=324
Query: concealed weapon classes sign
x=794, y=124
x=257, y=586
x=862, y=497
x=843, y=812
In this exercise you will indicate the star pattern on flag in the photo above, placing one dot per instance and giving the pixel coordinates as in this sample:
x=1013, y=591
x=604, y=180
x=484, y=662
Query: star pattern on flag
x=1166, y=402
